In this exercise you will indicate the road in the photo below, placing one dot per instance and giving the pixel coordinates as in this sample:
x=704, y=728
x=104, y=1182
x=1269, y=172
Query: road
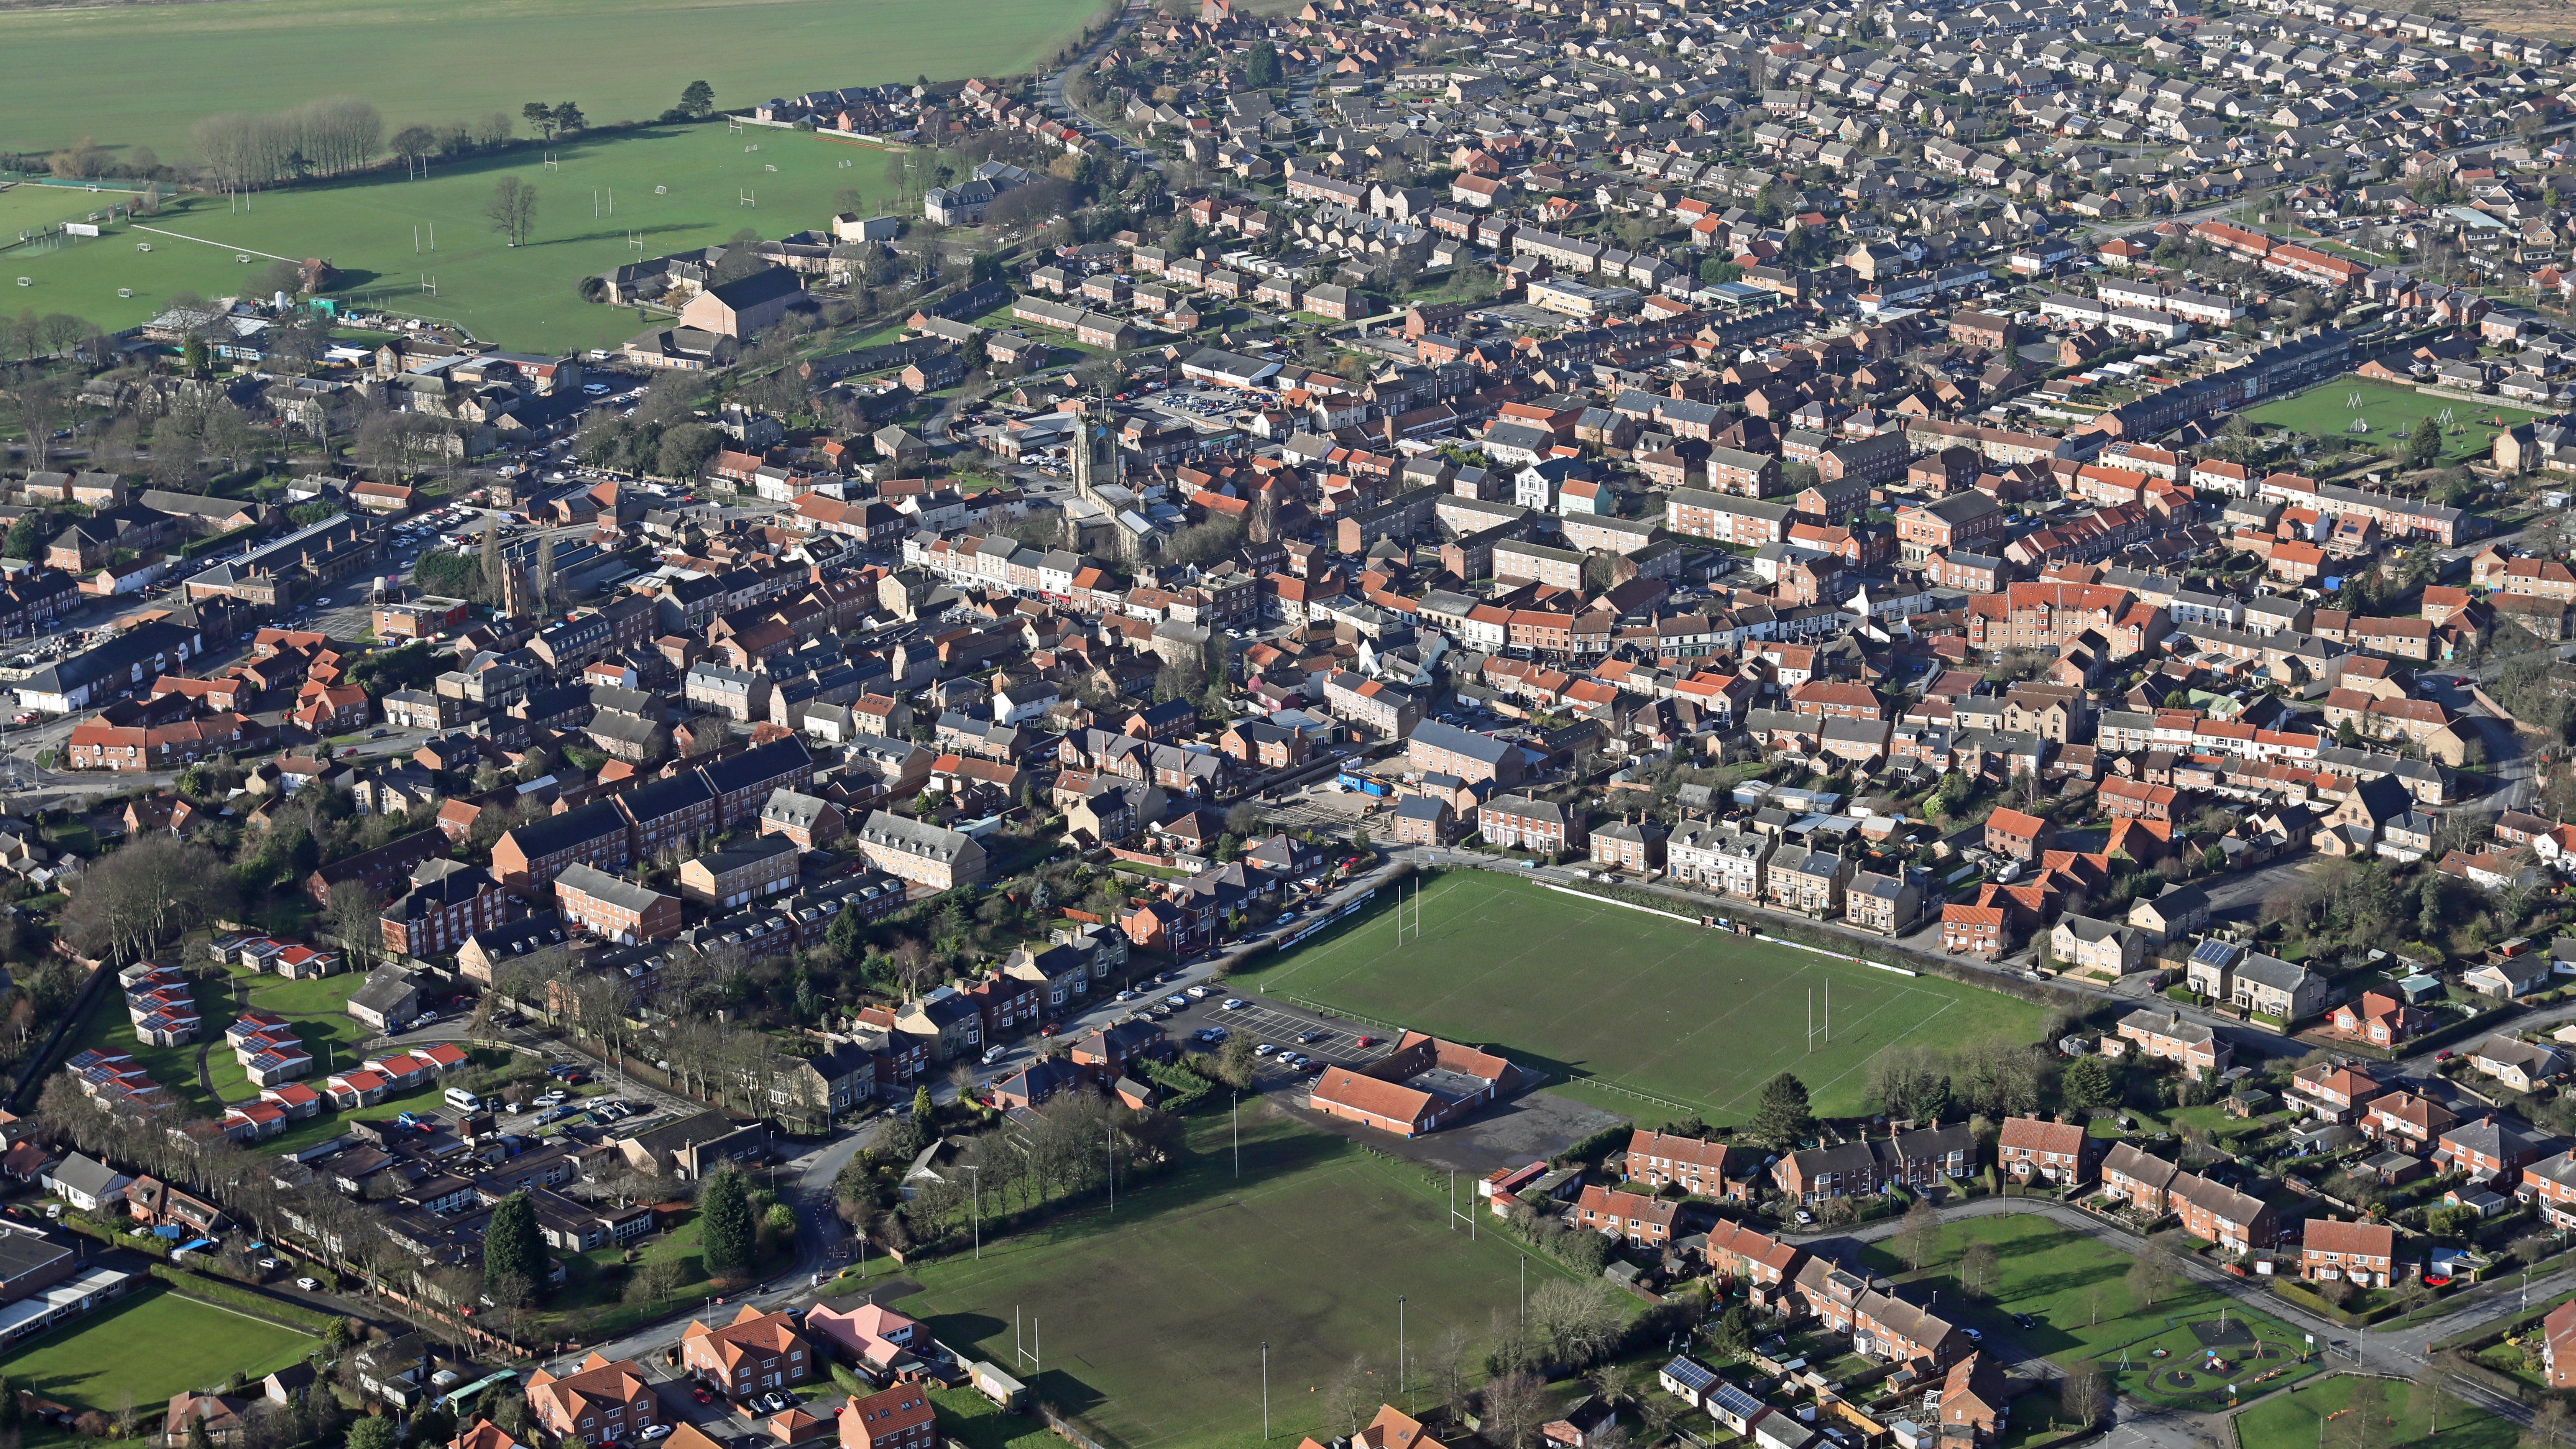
x=1051, y=89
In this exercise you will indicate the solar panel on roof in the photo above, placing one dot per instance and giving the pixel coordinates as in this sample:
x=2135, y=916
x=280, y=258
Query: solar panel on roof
x=1691, y=1374
x=2214, y=953
x=1730, y=1400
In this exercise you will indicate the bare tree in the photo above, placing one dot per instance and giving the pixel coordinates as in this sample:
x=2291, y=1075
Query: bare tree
x=1920, y=1234
x=1447, y=1364
x=2085, y=1393
x=1348, y=1399
x=1515, y=1405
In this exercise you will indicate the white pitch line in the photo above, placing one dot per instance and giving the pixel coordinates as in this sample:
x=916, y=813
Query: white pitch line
x=227, y=246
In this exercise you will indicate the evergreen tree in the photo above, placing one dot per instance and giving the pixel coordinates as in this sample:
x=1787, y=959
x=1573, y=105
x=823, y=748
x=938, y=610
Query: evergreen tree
x=1262, y=67
x=698, y=99
x=373, y=1432
x=511, y=1247
x=921, y=1105
x=1782, y=1119
x=725, y=1230
x=2426, y=444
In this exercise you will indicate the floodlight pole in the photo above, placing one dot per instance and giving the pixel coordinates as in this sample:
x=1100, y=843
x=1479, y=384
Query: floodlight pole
x=1399, y=1345
x=1265, y=1388
x=978, y=1210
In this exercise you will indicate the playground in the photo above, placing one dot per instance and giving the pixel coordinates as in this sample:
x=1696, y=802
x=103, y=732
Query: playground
x=2208, y=1363
x=2380, y=414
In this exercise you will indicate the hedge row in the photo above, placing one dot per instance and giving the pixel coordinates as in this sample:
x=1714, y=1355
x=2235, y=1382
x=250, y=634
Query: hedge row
x=258, y=1305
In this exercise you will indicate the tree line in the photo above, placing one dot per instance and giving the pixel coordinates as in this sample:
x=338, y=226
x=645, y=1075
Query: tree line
x=242, y=152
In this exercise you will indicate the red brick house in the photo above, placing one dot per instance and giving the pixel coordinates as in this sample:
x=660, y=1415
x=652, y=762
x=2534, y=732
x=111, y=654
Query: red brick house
x=604, y=1402
x=2360, y=1253
x=1697, y=1166
x=753, y=1354
x=2044, y=1149
x=1642, y=1222
x=2017, y=836
x=898, y=1418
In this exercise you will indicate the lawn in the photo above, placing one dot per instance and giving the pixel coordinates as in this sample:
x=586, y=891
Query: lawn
x=521, y=297
x=2392, y=413
x=1682, y=1013
x=317, y=1006
x=1152, y=1320
x=148, y=1347
x=2077, y=1288
x=618, y=59
x=2290, y=1421
x=968, y=1419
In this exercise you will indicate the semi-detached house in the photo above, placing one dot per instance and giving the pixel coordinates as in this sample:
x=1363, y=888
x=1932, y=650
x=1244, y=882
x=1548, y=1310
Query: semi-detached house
x=753, y=1354
x=1915, y=1160
x=604, y=1402
x=2043, y=1149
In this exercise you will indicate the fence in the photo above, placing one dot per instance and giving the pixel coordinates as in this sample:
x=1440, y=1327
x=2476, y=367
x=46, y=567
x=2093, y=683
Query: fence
x=1063, y=1426
x=40, y=1065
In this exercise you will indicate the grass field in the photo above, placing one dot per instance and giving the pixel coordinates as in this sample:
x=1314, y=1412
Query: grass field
x=25, y=207
x=620, y=59
x=2290, y=1421
x=520, y=297
x=1152, y=1320
x=150, y=1346
x=2392, y=413
x=2056, y=1275
x=1614, y=998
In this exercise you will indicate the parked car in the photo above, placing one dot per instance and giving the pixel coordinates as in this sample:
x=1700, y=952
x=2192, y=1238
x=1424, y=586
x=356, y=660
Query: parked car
x=993, y=1054
x=1234, y=1003
x=308, y=1285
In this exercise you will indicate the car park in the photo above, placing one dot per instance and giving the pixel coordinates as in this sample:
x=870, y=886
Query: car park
x=1264, y=1050
x=1176, y=1002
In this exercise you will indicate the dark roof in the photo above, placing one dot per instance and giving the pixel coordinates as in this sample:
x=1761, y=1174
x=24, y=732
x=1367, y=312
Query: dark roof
x=765, y=285
x=573, y=827
x=758, y=765
x=664, y=798
x=1482, y=748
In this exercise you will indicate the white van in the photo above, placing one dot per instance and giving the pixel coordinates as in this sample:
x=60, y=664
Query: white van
x=463, y=1100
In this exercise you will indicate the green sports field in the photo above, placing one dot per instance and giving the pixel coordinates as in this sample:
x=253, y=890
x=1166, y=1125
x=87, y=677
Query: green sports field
x=173, y=65
x=520, y=297
x=26, y=207
x=148, y=1347
x=1615, y=998
x=2392, y=413
x=1151, y=1320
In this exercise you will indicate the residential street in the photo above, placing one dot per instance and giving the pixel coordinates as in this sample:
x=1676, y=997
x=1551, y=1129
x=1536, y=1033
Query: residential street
x=2395, y=1351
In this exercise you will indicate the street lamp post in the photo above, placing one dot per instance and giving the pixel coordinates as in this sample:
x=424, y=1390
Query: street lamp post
x=1265, y=1388
x=977, y=1210
x=1399, y=1345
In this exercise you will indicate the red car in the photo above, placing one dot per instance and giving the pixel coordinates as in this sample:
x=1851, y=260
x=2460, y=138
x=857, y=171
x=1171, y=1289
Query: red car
x=702, y=1396
x=1364, y=1041
x=1049, y=1029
